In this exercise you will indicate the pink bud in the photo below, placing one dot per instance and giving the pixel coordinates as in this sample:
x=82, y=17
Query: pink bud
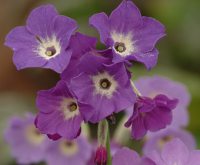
x=101, y=156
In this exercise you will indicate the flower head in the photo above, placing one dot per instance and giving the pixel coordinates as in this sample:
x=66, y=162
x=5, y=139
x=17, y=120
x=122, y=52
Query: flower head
x=151, y=86
x=64, y=152
x=26, y=142
x=106, y=87
x=61, y=114
x=130, y=35
x=43, y=41
x=176, y=152
x=151, y=115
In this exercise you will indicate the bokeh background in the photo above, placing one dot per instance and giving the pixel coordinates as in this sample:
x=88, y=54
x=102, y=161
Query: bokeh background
x=179, y=57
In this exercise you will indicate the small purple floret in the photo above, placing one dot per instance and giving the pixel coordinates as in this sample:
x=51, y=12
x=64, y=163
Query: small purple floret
x=176, y=152
x=130, y=35
x=106, y=87
x=27, y=144
x=44, y=41
x=126, y=156
x=61, y=114
x=151, y=115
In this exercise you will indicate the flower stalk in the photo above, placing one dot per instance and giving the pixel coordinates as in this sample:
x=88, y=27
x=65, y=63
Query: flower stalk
x=135, y=89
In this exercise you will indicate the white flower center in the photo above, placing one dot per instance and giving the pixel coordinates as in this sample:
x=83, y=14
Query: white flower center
x=123, y=43
x=69, y=108
x=48, y=48
x=33, y=135
x=104, y=84
x=68, y=148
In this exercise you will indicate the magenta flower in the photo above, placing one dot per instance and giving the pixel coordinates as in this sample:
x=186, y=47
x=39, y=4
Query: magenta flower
x=63, y=152
x=61, y=114
x=130, y=35
x=105, y=87
x=127, y=156
x=151, y=86
x=26, y=142
x=43, y=42
x=157, y=140
x=176, y=152
x=151, y=115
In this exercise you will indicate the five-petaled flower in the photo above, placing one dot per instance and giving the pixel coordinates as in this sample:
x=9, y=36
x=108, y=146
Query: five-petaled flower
x=64, y=152
x=106, y=87
x=130, y=35
x=27, y=144
x=175, y=152
x=43, y=42
x=60, y=112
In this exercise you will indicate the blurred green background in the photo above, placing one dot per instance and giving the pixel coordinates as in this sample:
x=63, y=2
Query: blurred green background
x=179, y=57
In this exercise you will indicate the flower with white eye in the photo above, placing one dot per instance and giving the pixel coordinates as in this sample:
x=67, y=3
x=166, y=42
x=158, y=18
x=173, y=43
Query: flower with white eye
x=104, y=84
x=64, y=152
x=27, y=144
x=48, y=48
x=157, y=140
x=61, y=114
x=130, y=35
x=175, y=152
x=44, y=41
x=123, y=43
x=105, y=87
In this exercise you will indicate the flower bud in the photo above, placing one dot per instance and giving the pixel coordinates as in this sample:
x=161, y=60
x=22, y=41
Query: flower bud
x=101, y=156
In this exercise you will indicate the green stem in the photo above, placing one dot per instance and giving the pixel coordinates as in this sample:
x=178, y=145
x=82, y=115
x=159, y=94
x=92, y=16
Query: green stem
x=109, y=157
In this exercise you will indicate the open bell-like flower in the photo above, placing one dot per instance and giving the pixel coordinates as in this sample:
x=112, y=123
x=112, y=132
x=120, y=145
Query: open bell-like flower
x=43, y=42
x=61, y=114
x=175, y=152
x=151, y=114
x=105, y=87
x=27, y=144
x=130, y=35
x=64, y=152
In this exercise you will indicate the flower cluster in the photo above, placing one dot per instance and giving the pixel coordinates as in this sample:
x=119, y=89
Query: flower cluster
x=94, y=84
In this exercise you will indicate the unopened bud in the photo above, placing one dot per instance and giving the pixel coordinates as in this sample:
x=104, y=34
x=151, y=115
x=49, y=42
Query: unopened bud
x=101, y=156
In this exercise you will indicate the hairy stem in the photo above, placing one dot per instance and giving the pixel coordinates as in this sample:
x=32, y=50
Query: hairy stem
x=104, y=138
x=135, y=89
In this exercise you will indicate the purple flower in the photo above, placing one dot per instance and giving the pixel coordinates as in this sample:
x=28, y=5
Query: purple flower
x=130, y=35
x=63, y=152
x=126, y=156
x=151, y=115
x=151, y=86
x=43, y=41
x=60, y=112
x=156, y=141
x=105, y=87
x=26, y=143
x=176, y=152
